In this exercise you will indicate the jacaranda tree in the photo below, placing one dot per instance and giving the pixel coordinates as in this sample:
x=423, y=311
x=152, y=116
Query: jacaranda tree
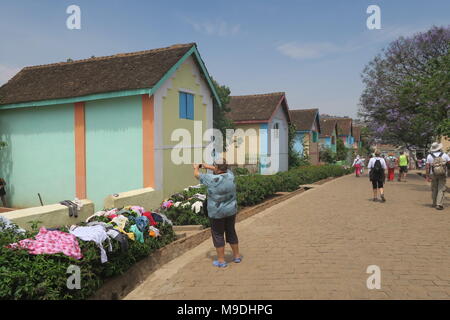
x=406, y=96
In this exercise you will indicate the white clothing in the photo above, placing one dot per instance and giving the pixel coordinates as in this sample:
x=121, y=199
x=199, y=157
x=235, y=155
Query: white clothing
x=373, y=160
x=430, y=159
x=95, y=233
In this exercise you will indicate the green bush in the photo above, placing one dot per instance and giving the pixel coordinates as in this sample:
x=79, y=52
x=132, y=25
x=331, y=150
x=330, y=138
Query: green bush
x=240, y=171
x=26, y=276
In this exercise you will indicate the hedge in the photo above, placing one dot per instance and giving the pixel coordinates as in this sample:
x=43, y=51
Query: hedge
x=44, y=277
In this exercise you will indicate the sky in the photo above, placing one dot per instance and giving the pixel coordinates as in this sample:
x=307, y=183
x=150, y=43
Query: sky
x=314, y=50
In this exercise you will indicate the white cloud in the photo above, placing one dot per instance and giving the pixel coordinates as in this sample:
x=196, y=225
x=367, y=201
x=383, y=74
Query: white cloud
x=213, y=28
x=6, y=73
x=303, y=51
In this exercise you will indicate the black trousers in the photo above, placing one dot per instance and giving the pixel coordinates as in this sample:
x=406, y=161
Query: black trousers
x=219, y=227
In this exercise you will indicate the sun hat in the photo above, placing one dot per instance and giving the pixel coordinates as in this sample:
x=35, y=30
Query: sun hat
x=436, y=146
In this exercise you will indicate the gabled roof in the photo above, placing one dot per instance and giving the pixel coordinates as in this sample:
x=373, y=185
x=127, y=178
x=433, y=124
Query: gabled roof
x=304, y=119
x=344, y=126
x=256, y=108
x=116, y=73
x=327, y=126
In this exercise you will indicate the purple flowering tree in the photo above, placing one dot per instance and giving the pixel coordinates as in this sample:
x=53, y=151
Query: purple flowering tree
x=406, y=96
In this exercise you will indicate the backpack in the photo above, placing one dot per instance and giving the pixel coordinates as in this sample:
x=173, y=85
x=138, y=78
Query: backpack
x=377, y=171
x=439, y=165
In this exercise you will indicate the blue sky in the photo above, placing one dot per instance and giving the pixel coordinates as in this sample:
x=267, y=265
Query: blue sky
x=314, y=50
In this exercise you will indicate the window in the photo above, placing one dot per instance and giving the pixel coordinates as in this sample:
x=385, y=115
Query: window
x=277, y=128
x=186, y=106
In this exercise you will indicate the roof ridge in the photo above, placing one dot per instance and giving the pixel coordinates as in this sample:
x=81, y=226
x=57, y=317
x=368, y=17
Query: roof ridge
x=117, y=55
x=310, y=109
x=260, y=95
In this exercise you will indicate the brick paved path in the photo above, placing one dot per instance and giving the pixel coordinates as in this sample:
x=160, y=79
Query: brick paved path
x=318, y=245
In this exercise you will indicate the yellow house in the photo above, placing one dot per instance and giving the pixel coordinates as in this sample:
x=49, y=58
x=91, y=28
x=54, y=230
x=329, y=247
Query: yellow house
x=261, y=139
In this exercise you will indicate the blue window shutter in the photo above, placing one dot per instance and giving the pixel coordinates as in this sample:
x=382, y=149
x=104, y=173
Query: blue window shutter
x=190, y=106
x=183, y=103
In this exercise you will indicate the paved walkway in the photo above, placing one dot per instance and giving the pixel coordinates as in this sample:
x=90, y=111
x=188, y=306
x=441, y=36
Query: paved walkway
x=318, y=245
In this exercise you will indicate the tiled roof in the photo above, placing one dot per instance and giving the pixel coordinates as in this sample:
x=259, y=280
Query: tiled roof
x=327, y=127
x=303, y=119
x=137, y=70
x=344, y=126
x=256, y=107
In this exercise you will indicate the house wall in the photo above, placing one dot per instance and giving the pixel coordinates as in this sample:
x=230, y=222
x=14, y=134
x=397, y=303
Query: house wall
x=282, y=154
x=113, y=147
x=248, y=145
x=176, y=177
x=40, y=156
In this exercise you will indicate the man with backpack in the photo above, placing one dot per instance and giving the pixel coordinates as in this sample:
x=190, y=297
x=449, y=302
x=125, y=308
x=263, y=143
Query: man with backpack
x=377, y=176
x=436, y=169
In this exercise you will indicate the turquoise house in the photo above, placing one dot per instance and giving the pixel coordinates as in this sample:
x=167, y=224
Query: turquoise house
x=308, y=129
x=329, y=134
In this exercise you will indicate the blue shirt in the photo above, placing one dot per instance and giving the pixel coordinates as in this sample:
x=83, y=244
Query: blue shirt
x=221, y=194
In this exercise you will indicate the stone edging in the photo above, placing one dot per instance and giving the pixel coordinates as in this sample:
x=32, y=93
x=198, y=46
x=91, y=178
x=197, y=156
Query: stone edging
x=119, y=286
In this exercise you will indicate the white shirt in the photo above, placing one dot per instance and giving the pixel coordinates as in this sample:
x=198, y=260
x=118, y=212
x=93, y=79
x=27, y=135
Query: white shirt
x=445, y=156
x=374, y=159
x=430, y=159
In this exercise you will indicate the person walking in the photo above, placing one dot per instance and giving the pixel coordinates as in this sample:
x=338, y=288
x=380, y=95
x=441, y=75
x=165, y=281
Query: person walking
x=377, y=175
x=403, y=162
x=436, y=170
x=391, y=164
x=357, y=164
x=3, y=192
x=222, y=209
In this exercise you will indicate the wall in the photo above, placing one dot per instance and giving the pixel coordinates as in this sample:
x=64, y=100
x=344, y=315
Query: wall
x=170, y=176
x=113, y=147
x=40, y=156
x=282, y=154
x=50, y=216
x=147, y=197
x=247, y=145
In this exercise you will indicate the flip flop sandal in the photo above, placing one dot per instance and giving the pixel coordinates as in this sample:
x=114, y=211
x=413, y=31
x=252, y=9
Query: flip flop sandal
x=219, y=265
x=237, y=260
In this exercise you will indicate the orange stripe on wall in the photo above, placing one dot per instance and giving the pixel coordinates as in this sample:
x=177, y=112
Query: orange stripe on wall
x=80, y=151
x=148, y=141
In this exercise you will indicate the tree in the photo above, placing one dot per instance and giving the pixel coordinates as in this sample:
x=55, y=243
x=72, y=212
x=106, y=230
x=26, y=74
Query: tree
x=341, y=150
x=294, y=158
x=405, y=100
x=220, y=120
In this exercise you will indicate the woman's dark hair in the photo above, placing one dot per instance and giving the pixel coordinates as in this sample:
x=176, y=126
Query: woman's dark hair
x=223, y=167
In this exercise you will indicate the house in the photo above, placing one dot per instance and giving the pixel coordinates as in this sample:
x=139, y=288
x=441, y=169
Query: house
x=103, y=126
x=345, y=130
x=306, y=141
x=328, y=135
x=357, y=143
x=263, y=122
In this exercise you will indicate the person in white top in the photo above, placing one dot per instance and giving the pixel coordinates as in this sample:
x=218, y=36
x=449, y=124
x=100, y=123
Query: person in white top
x=357, y=163
x=377, y=176
x=436, y=169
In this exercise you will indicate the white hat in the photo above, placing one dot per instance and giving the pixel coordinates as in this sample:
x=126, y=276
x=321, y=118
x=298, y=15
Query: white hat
x=436, y=146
